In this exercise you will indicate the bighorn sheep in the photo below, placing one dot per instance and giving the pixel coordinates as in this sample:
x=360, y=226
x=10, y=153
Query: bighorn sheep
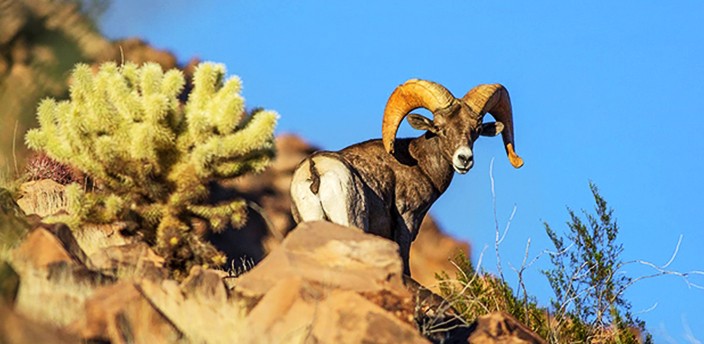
x=386, y=186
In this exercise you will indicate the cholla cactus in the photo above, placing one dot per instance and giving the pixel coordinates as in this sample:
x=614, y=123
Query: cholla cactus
x=39, y=166
x=153, y=156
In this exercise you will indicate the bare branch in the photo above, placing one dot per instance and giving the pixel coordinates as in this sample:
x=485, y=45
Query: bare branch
x=674, y=254
x=648, y=310
x=662, y=270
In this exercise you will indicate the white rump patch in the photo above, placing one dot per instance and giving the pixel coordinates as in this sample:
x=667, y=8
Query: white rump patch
x=335, y=183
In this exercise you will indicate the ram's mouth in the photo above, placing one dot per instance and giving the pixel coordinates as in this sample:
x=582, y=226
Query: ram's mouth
x=462, y=170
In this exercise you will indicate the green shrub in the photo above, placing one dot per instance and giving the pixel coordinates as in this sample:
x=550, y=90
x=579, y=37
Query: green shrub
x=151, y=156
x=589, y=304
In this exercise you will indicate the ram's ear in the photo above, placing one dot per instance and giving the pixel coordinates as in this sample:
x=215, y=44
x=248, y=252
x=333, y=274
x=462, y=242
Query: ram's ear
x=491, y=128
x=420, y=122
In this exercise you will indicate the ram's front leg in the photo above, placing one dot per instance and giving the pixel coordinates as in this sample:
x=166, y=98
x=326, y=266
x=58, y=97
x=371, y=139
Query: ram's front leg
x=403, y=237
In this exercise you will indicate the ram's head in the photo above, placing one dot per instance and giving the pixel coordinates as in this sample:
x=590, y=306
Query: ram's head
x=457, y=122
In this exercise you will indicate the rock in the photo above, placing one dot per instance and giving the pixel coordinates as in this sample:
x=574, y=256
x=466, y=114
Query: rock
x=120, y=313
x=42, y=248
x=330, y=255
x=137, y=259
x=205, y=284
x=95, y=237
x=18, y=329
x=42, y=197
x=296, y=310
x=283, y=311
x=431, y=253
x=346, y=317
x=9, y=283
x=328, y=283
x=50, y=244
x=54, y=250
x=54, y=291
x=501, y=327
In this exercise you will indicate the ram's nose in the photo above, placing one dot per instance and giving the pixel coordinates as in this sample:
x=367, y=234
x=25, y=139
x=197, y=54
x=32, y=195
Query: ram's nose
x=463, y=160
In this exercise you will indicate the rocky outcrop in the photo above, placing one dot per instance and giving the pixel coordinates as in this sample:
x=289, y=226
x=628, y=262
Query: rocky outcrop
x=137, y=259
x=502, y=328
x=120, y=313
x=16, y=328
x=288, y=314
x=327, y=283
x=200, y=306
x=206, y=284
x=323, y=283
x=50, y=244
x=329, y=255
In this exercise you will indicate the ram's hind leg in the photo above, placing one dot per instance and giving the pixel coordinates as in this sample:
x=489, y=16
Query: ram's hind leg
x=341, y=194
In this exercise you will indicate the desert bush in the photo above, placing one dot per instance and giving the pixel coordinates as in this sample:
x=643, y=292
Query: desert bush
x=151, y=156
x=589, y=305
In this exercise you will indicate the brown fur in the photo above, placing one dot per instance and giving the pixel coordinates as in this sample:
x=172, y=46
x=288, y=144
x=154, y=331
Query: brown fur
x=399, y=188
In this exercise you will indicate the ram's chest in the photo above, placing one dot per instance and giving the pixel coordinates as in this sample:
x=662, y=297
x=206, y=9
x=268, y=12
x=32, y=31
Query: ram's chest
x=414, y=196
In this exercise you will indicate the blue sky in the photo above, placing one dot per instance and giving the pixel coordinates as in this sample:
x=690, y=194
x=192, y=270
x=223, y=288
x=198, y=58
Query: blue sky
x=610, y=92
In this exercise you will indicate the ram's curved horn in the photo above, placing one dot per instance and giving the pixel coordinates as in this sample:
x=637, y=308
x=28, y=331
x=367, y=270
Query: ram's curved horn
x=411, y=95
x=494, y=99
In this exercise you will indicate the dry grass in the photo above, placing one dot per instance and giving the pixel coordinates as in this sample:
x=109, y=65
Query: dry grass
x=58, y=301
x=201, y=320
